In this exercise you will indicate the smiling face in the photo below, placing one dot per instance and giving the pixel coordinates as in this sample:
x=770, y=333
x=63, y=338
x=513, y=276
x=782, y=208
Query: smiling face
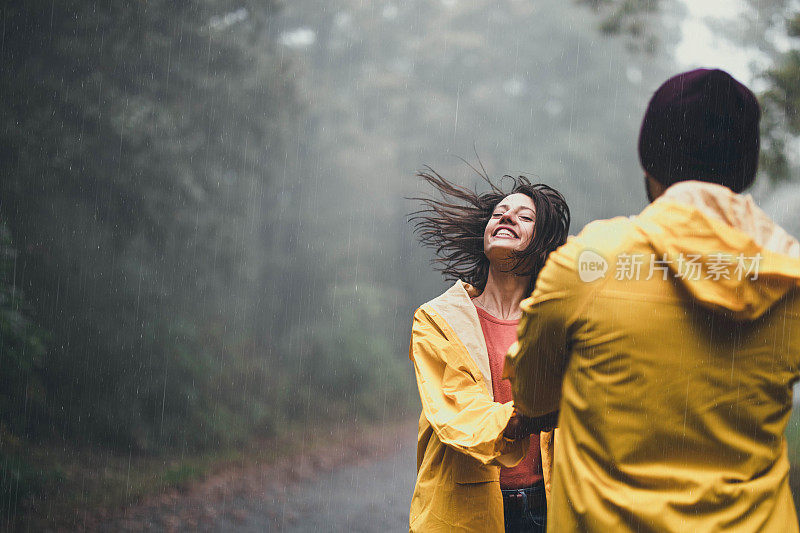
x=510, y=228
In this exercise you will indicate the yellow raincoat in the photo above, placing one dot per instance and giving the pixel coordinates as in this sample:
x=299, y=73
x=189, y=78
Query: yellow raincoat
x=460, y=445
x=677, y=382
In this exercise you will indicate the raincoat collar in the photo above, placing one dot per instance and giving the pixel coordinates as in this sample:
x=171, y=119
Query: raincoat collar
x=719, y=228
x=736, y=210
x=456, y=308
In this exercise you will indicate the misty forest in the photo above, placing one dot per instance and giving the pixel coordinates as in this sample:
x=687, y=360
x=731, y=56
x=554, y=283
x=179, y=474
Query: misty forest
x=206, y=259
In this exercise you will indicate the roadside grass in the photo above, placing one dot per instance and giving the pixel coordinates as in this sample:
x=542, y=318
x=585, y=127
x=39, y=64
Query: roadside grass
x=793, y=442
x=53, y=486
x=793, y=435
x=49, y=486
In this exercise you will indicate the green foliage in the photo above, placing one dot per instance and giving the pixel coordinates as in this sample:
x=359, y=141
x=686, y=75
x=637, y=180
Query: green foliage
x=19, y=481
x=793, y=26
x=793, y=436
x=22, y=348
x=344, y=363
x=793, y=445
x=626, y=17
x=780, y=102
x=785, y=91
x=180, y=475
x=138, y=143
x=144, y=151
x=780, y=125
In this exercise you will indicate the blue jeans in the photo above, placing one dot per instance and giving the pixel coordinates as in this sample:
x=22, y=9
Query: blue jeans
x=525, y=510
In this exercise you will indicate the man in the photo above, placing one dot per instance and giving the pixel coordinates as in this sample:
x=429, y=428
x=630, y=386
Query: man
x=670, y=341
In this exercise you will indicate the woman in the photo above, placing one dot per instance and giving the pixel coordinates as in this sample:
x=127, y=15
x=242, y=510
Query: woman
x=470, y=438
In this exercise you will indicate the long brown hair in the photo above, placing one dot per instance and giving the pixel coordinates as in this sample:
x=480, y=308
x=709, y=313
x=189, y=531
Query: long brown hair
x=454, y=226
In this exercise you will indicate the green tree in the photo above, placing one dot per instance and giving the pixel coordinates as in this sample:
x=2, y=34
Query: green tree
x=142, y=146
x=22, y=351
x=780, y=126
x=782, y=109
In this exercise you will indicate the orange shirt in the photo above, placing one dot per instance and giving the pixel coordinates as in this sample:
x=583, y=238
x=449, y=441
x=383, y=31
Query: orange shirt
x=500, y=335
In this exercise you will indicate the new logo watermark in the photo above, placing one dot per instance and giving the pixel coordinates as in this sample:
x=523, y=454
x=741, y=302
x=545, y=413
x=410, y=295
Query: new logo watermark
x=591, y=266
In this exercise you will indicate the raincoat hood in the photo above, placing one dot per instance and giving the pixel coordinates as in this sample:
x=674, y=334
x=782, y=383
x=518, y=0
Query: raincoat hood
x=724, y=250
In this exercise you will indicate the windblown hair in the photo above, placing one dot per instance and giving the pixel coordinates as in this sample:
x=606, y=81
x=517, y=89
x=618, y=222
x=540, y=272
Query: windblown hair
x=454, y=226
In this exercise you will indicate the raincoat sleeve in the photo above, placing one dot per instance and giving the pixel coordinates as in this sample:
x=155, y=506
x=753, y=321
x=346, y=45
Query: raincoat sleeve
x=460, y=411
x=535, y=364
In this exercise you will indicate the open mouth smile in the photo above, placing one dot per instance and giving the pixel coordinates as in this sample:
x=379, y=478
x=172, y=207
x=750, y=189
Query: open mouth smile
x=507, y=233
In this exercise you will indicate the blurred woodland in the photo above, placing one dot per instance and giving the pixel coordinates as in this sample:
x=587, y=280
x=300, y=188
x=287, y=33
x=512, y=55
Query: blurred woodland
x=150, y=239
x=203, y=231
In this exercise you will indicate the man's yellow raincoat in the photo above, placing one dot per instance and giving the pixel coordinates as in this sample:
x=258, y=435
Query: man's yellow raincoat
x=678, y=363
x=460, y=445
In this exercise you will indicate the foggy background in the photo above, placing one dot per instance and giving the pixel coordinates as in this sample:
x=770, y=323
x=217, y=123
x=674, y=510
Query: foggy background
x=206, y=256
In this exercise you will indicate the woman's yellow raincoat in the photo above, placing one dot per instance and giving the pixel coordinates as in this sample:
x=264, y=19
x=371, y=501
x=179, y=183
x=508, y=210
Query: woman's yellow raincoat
x=460, y=445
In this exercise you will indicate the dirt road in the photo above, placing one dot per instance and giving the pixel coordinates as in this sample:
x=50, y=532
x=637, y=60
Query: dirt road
x=369, y=496
x=362, y=482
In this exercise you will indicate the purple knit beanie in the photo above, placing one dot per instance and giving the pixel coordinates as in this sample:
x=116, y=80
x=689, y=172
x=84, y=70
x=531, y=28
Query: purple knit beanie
x=701, y=125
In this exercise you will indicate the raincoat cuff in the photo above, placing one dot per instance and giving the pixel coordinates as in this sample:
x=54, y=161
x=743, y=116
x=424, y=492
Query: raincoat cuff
x=510, y=452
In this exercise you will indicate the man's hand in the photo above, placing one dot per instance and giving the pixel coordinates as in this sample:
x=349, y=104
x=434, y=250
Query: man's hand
x=520, y=425
x=515, y=429
x=546, y=422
